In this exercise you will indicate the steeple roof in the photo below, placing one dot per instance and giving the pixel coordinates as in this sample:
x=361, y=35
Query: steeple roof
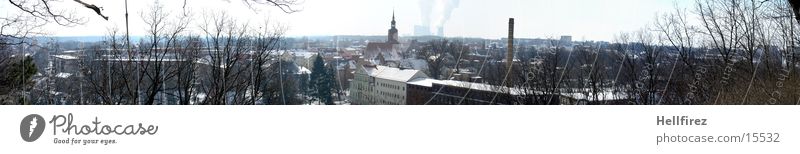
x=393, y=21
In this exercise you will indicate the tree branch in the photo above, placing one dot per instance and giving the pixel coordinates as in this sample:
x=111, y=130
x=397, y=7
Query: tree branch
x=796, y=8
x=93, y=7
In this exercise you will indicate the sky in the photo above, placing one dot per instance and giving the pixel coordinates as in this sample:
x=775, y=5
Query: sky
x=582, y=19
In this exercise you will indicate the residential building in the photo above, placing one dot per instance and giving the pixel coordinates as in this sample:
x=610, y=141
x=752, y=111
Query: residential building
x=381, y=85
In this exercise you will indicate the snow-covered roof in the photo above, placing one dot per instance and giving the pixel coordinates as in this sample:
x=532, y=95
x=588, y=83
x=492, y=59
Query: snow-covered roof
x=63, y=75
x=394, y=74
x=471, y=85
x=428, y=82
x=23, y=55
x=304, y=54
x=602, y=95
x=68, y=57
x=145, y=59
x=207, y=61
x=303, y=70
x=353, y=64
x=418, y=64
x=70, y=51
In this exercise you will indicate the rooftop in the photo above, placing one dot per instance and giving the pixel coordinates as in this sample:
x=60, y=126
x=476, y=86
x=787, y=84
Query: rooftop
x=394, y=74
x=63, y=75
x=67, y=57
x=428, y=82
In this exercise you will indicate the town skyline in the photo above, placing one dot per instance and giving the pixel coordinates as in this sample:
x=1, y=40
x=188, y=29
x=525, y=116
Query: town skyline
x=583, y=20
x=722, y=52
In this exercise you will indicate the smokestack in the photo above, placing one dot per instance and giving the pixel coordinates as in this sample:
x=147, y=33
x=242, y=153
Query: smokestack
x=510, y=53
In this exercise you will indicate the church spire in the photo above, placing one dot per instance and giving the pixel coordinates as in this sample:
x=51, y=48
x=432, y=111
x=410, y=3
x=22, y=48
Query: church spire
x=393, y=38
x=393, y=21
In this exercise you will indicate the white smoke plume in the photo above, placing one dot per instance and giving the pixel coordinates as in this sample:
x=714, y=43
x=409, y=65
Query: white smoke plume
x=426, y=8
x=435, y=13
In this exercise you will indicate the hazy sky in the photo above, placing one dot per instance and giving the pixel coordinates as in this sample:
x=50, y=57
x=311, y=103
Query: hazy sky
x=583, y=19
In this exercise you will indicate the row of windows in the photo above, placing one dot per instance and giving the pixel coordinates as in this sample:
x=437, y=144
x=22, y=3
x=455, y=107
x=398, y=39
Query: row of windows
x=361, y=87
x=371, y=100
x=392, y=95
x=396, y=87
x=377, y=96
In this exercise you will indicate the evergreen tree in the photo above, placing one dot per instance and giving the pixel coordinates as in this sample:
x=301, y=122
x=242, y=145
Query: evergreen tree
x=320, y=83
x=16, y=74
x=330, y=78
x=281, y=87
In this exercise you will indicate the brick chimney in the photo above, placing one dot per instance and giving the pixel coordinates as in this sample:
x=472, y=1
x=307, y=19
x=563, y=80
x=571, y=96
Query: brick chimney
x=510, y=53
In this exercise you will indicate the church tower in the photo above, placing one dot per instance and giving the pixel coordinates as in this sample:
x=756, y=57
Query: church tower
x=393, y=38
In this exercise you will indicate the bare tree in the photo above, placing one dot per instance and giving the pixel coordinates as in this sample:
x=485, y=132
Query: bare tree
x=159, y=57
x=187, y=73
x=591, y=77
x=795, y=4
x=679, y=34
x=97, y=70
x=47, y=10
x=721, y=26
x=626, y=71
x=681, y=37
x=435, y=55
x=266, y=41
x=287, y=6
x=555, y=60
x=227, y=44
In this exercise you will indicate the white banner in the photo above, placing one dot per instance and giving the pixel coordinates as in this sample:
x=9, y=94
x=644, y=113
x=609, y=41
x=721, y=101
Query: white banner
x=399, y=129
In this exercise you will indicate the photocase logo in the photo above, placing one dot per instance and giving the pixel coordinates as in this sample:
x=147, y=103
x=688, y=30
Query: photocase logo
x=31, y=127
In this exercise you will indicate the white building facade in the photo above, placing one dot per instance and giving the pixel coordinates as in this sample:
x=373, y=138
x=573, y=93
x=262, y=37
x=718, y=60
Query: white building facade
x=381, y=85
